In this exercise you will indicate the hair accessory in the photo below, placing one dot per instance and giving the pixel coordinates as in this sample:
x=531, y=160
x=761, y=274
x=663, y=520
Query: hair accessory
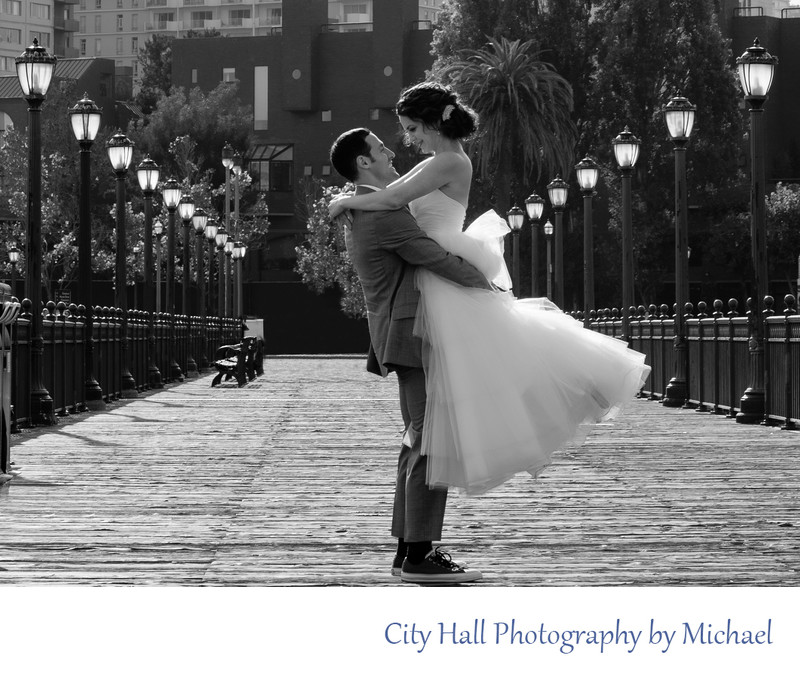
x=447, y=112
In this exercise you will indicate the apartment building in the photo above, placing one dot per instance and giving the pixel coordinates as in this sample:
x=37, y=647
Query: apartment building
x=118, y=29
x=51, y=22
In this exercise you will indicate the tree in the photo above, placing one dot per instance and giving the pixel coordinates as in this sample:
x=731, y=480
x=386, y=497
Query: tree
x=651, y=50
x=506, y=82
x=155, y=69
x=60, y=192
x=783, y=235
x=322, y=260
x=209, y=119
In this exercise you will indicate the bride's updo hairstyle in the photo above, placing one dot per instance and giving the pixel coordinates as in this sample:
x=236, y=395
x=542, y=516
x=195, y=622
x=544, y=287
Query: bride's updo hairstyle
x=439, y=108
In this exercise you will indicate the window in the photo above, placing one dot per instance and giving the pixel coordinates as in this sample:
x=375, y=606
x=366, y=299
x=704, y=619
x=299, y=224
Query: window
x=272, y=167
x=374, y=114
x=11, y=36
x=274, y=17
x=8, y=64
x=326, y=169
x=83, y=47
x=194, y=75
x=98, y=23
x=261, y=98
x=237, y=17
x=98, y=46
x=82, y=24
x=39, y=11
x=98, y=4
x=119, y=46
x=119, y=4
x=135, y=44
x=134, y=22
x=162, y=18
x=198, y=19
x=13, y=7
x=326, y=115
x=119, y=22
x=5, y=123
x=228, y=74
x=43, y=38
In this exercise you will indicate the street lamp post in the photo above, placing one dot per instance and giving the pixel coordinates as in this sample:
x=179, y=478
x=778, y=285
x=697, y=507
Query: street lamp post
x=557, y=191
x=238, y=253
x=221, y=240
x=158, y=229
x=515, y=219
x=148, y=173
x=534, y=205
x=626, y=151
x=227, y=162
x=548, y=232
x=212, y=227
x=186, y=211
x=587, y=172
x=13, y=258
x=228, y=287
x=85, y=119
x=199, y=221
x=171, y=192
x=34, y=71
x=679, y=116
x=120, y=153
x=756, y=70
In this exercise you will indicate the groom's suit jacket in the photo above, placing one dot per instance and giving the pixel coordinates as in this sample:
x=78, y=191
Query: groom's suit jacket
x=385, y=248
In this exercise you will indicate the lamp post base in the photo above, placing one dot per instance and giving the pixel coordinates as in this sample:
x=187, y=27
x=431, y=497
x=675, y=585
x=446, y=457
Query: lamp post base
x=175, y=371
x=129, y=390
x=751, y=406
x=191, y=367
x=154, y=378
x=676, y=393
x=94, y=396
x=42, y=409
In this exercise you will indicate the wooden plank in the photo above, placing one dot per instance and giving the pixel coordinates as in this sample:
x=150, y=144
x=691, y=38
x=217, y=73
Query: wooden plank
x=288, y=481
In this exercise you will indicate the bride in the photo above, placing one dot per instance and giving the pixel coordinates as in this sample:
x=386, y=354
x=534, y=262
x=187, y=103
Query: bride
x=509, y=381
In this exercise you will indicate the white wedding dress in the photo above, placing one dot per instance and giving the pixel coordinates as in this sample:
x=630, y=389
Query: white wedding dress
x=509, y=381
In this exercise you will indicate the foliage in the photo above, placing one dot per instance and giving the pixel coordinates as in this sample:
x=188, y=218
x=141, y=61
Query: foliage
x=210, y=119
x=322, y=260
x=155, y=69
x=507, y=82
x=783, y=232
x=60, y=180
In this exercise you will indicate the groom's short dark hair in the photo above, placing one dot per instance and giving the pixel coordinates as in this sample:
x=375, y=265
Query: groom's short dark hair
x=347, y=148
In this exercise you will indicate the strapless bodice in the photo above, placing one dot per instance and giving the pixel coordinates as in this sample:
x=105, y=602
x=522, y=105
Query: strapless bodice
x=437, y=212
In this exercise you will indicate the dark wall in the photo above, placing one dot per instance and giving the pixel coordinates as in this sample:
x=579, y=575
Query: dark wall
x=297, y=321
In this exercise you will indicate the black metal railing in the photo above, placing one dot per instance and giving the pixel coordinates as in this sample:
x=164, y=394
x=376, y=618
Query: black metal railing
x=159, y=342
x=718, y=343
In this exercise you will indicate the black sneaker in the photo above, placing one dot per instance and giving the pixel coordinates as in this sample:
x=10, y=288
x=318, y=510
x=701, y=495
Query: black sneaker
x=397, y=565
x=437, y=567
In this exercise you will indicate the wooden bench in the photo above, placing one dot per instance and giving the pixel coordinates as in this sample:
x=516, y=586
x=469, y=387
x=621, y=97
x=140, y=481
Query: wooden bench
x=243, y=361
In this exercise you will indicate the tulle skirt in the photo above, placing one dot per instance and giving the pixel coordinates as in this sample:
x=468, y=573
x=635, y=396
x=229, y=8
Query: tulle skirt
x=511, y=381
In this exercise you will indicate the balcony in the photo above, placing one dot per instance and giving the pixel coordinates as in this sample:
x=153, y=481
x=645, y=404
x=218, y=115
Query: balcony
x=61, y=24
x=364, y=27
x=238, y=23
x=748, y=11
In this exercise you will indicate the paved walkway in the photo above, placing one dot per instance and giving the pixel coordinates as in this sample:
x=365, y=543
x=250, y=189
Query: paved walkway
x=288, y=481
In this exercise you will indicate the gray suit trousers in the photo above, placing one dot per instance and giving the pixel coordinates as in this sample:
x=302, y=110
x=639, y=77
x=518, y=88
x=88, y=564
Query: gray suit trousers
x=418, y=510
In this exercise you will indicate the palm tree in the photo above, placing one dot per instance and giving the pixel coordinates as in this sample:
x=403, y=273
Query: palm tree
x=525, y=109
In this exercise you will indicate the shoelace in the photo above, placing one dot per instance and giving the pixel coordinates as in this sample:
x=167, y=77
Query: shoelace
x=443, y=559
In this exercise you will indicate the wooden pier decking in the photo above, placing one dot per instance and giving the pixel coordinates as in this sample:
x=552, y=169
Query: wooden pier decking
x=288, y=481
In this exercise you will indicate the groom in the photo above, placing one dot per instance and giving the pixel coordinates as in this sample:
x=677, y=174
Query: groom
x=385, y=247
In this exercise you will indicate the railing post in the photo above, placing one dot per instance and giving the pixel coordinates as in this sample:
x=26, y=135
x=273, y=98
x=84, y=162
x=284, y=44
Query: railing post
x=733, y=311
x=717, y=314
x=790, y=310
